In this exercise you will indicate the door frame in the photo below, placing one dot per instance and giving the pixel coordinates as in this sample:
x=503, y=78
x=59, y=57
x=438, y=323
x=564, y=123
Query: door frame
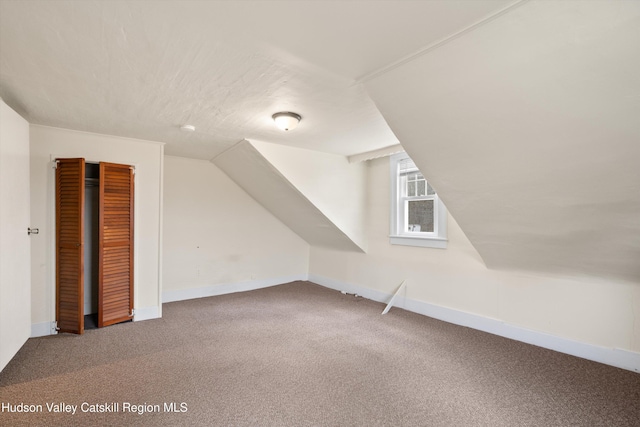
x=51, y=231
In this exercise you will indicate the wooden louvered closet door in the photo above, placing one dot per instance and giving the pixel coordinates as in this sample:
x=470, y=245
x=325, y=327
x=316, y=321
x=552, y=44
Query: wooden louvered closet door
x=115, y=277
x=70, y=245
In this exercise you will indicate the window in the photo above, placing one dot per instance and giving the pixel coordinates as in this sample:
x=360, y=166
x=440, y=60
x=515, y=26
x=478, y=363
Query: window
x=418, y=217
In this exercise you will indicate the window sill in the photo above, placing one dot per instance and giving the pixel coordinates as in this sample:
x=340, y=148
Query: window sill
x=423, y=242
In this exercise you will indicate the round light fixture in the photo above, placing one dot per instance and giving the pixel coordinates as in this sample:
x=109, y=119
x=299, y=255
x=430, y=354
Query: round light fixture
x=286, y=120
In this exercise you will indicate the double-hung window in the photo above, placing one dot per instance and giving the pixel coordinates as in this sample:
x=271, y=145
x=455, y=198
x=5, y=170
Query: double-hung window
x=418, y=216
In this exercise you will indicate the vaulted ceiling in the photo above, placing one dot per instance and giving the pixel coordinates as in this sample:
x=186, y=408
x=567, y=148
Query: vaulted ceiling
x=144, y=68
x=523, y=114
x=529, y=129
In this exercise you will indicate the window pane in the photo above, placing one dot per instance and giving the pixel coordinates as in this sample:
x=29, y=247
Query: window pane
x=411, y=189
x=430, y=191
x=421, y=187
x=420, y=215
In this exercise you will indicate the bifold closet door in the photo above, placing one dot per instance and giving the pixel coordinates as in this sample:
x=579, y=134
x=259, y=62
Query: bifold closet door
x=70, y=245
x=115, y=257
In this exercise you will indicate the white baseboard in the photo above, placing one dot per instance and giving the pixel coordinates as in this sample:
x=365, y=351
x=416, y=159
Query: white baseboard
x=228, y=288
x=43, y=329
x=619, y=358
x=146, y=313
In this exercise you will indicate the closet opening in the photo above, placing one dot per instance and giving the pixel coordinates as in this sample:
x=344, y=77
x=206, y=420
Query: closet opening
x=91, y=236
x=94, y=244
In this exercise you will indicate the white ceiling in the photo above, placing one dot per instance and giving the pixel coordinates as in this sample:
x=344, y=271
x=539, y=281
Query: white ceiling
x=524, y=115
x=142, y=69
x=529, y=129
x=265, y=183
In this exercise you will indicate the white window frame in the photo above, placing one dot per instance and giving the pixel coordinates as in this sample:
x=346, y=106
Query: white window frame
x=399, y=234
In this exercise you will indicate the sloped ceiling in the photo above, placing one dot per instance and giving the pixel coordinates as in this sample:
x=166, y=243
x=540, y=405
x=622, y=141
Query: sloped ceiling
x=252, y=171
x=143, y=68
x=529, y=129
x=523, y=114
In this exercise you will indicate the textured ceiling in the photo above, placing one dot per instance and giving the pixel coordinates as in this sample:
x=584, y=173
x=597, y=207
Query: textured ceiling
x=524, y=115
x=142, y=69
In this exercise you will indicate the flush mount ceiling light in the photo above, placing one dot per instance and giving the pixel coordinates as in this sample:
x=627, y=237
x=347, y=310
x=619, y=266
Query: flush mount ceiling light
x=286, y=120
x=187, y=128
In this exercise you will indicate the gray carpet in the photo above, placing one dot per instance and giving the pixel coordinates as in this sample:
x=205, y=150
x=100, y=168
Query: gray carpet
x=301, y=355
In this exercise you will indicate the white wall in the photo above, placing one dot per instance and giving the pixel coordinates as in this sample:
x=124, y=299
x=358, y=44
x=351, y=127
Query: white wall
x=15, y=292
x=218, y=239
x=329, y=181
x=602, y=314
x=147, y=157
x=528, y=128
x=262, y=180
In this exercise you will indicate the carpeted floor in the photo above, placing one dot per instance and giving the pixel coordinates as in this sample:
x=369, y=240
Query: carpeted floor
x=300, y=355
